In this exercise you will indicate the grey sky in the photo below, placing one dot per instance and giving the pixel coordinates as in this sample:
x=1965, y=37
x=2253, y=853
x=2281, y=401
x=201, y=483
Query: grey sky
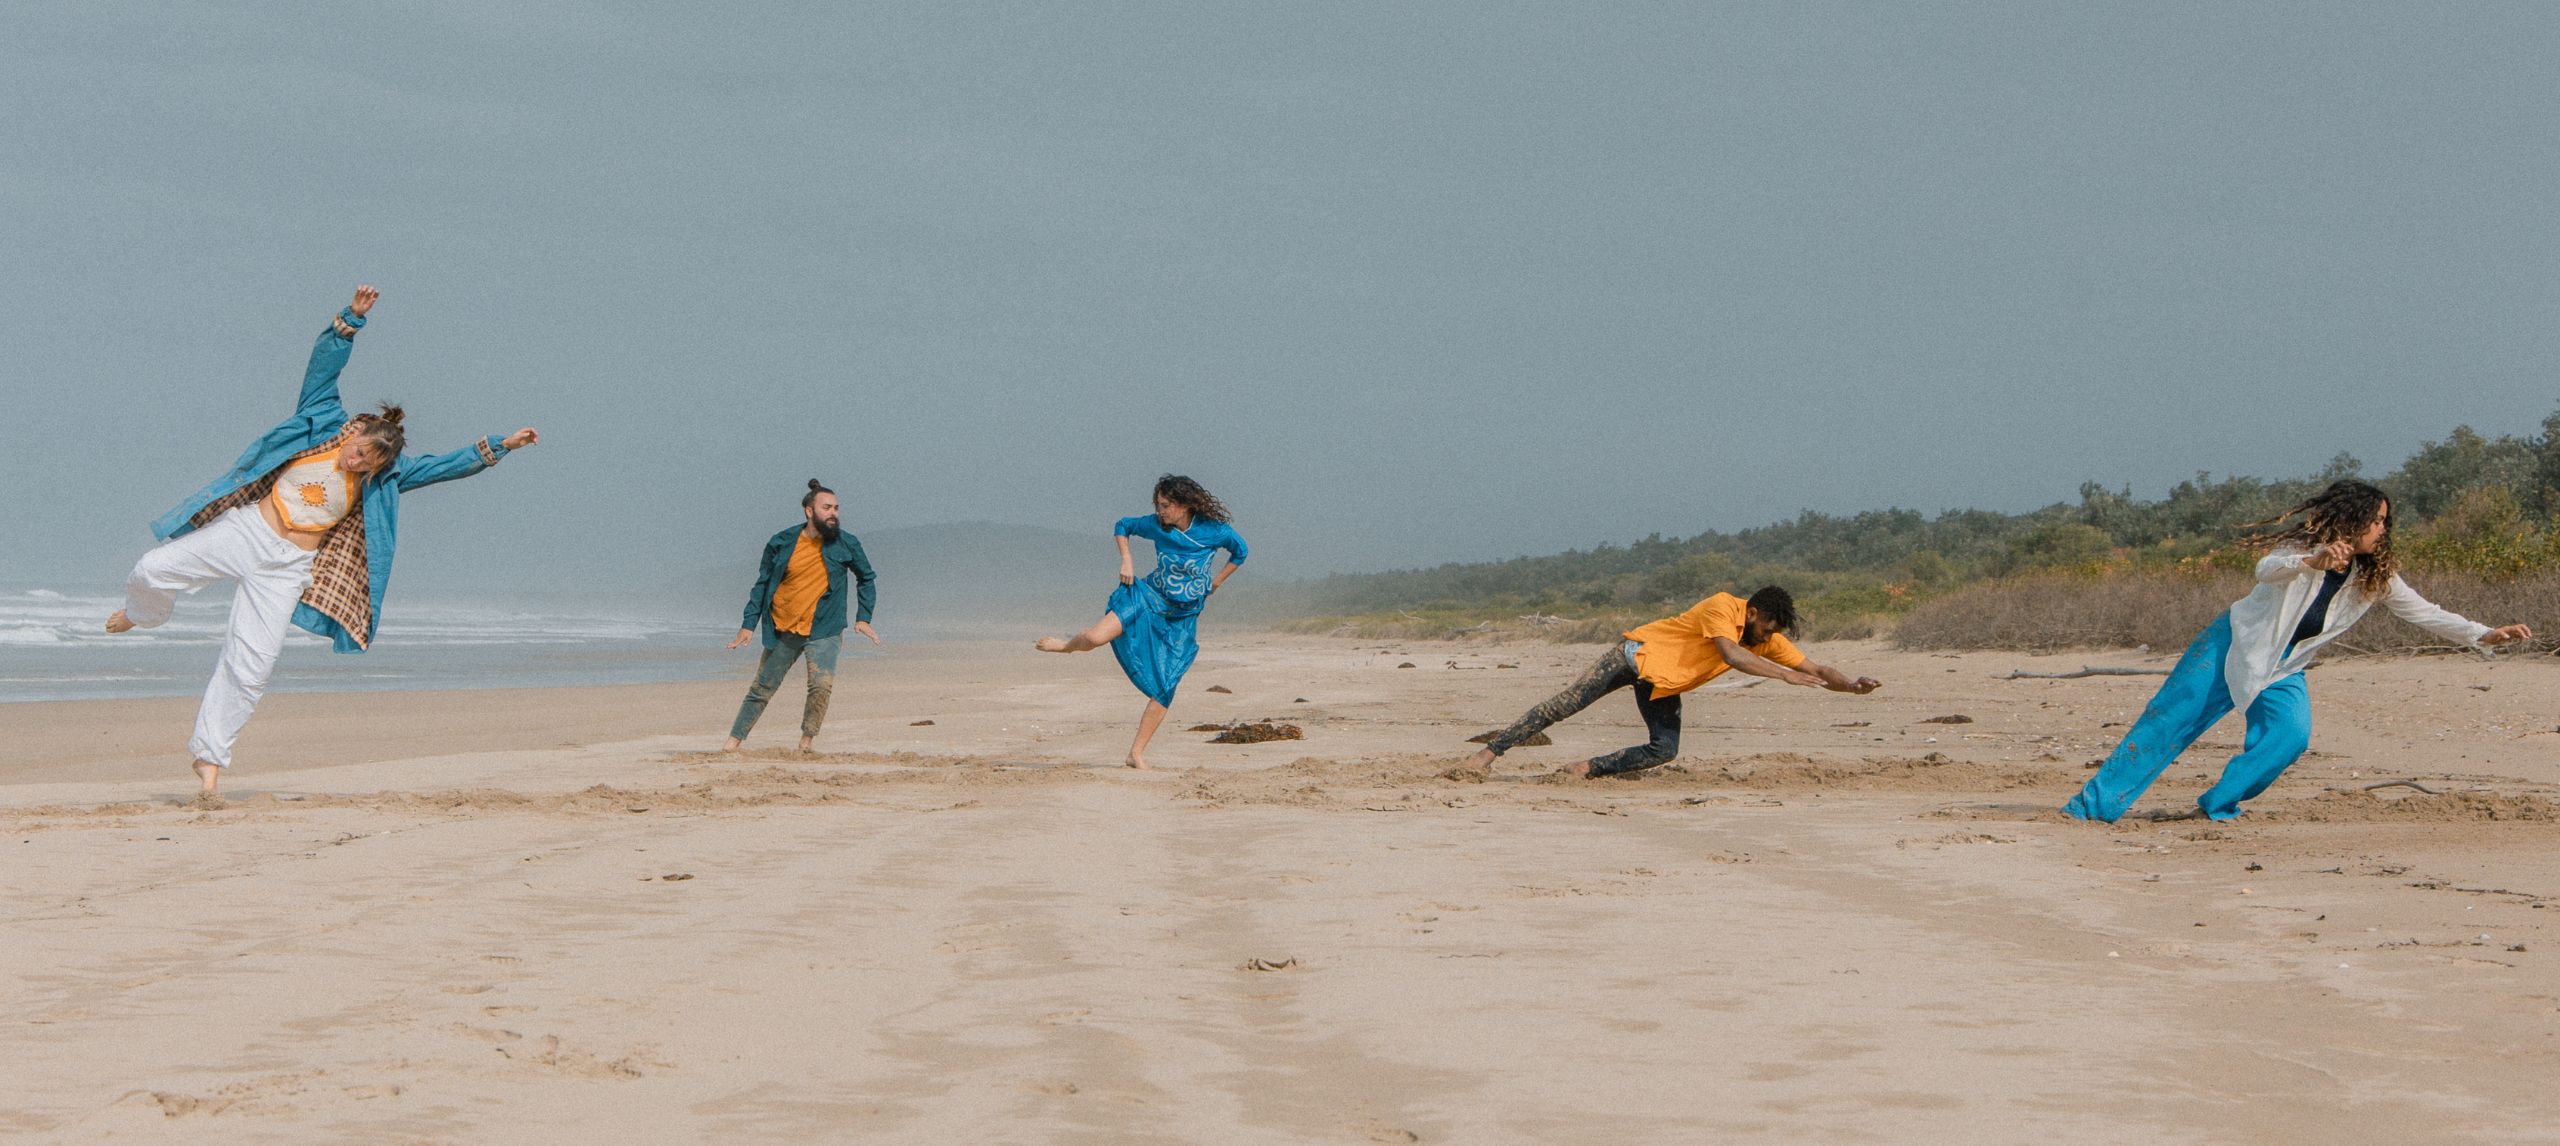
x=1404, y=283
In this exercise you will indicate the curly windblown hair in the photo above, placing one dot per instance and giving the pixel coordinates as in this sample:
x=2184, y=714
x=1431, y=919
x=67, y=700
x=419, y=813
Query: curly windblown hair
x=1190, y=495
x=2341, y=512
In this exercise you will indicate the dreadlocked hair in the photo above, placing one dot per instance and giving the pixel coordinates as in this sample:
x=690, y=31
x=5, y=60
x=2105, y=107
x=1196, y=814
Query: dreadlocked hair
x=384, y=428
x=2341, y=512
x=1190, y=495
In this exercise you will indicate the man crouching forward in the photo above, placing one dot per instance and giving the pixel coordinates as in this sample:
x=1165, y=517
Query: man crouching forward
x=1670, y=657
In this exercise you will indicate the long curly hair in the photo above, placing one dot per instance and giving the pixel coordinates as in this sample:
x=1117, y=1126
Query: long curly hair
x=2341, y=512
x=1191, y=495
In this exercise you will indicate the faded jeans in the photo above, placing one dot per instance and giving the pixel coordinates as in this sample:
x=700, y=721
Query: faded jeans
x=1613, y=671
x=776, y=664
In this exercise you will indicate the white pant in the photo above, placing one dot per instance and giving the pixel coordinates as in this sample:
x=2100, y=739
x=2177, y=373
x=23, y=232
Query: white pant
x=272, y=573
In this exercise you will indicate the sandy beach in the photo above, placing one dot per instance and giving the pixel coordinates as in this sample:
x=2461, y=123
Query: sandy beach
x=547, y=916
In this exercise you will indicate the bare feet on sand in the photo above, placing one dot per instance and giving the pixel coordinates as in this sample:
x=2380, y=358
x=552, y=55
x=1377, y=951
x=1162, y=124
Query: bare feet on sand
x=1477, y=768
x=731, y=746
x=119, y=623
x=806, y=741
x=209, y=776
x=1136, y=761
x=1578, y=770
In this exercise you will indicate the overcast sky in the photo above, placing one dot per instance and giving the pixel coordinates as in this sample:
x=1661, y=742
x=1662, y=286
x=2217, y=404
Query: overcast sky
x=1403, y=283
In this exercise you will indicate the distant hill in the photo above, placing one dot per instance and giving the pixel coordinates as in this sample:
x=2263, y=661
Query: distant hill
x=956, y=575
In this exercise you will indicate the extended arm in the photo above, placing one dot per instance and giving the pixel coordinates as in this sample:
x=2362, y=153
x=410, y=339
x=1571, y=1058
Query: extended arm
x=416, y=471
x=329, y=357
x=2405, y=603
x=1744, y=660
x=1838, y=681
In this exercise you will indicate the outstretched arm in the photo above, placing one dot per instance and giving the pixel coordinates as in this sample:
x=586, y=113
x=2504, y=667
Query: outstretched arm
x=1838, y=681
x=329, y=357
x=2405, y=603
x=415, y=471
x=1744, y=660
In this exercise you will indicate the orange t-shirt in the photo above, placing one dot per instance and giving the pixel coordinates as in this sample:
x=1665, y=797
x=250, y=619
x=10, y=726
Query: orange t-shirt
x=804, y=580
x=1680, y=654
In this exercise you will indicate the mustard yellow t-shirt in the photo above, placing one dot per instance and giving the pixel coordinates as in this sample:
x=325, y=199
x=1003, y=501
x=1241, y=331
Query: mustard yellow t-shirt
x=1679, y=653
x=804, y=581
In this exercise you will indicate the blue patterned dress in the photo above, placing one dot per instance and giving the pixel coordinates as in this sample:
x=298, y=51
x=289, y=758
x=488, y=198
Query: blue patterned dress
x=1160, y=612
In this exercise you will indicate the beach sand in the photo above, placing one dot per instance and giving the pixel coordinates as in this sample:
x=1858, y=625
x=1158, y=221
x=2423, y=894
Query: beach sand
x=547, y=916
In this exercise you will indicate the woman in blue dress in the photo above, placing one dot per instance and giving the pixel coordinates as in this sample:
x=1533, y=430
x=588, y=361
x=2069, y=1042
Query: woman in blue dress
x=1152, y=624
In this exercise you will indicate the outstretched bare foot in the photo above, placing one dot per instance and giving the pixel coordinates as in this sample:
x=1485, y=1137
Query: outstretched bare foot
x=119, y=623
x=1136, y=761
x=731, y=746
x=209, y=776
x=1578, y=770
x=1476, y=770
x=1050, y=644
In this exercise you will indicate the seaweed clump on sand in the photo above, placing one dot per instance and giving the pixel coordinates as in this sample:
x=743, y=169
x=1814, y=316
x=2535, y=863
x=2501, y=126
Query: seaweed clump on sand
x=1256, y=732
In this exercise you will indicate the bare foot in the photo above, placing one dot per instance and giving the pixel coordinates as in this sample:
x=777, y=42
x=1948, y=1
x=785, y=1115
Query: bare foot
x=1050, y=644
x=1136, y=761
x=1578, y=770
x=1477, y=768
x=119, y=623
x=805, y=741
x=208, y=775
x=731, y=746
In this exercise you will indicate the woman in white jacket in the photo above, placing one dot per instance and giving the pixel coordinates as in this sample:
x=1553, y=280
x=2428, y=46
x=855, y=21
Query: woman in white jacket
x=2321, y=572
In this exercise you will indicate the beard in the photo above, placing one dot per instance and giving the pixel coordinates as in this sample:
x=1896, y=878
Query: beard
x=827, y=530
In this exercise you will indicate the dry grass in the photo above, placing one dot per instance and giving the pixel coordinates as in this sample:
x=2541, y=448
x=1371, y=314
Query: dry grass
x=2165, y=610
x=1465, y=626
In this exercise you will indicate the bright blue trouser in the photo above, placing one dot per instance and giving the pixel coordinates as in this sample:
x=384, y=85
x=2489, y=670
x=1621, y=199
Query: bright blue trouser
x=2188, y=703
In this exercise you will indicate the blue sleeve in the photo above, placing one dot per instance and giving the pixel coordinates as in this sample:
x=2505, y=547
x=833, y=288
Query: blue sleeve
x=1144, y=525
x=320, y=379
x=415, y=470
x=1232, y=542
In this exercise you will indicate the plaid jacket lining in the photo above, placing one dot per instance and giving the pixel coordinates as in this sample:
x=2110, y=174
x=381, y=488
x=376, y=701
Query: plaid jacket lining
x=341, y=586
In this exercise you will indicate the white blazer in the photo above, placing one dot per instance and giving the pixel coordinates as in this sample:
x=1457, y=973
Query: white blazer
x=2262, y=621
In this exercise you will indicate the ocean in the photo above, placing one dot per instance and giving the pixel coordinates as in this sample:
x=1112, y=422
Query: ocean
x=52, y=647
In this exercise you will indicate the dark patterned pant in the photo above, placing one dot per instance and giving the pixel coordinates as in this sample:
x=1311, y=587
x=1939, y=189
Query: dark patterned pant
x=1613, y=671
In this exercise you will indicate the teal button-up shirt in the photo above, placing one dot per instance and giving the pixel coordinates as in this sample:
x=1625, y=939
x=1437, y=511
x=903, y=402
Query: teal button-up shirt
x=842, y=554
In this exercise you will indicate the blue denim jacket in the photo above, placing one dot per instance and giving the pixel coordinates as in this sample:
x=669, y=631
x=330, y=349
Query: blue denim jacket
x=317, y=418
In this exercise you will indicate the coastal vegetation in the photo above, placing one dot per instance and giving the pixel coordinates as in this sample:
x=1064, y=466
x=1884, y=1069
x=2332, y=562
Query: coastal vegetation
x=2476, y=522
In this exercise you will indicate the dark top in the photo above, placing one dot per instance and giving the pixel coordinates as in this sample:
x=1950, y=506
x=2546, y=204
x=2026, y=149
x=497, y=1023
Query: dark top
x=2316, y=617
